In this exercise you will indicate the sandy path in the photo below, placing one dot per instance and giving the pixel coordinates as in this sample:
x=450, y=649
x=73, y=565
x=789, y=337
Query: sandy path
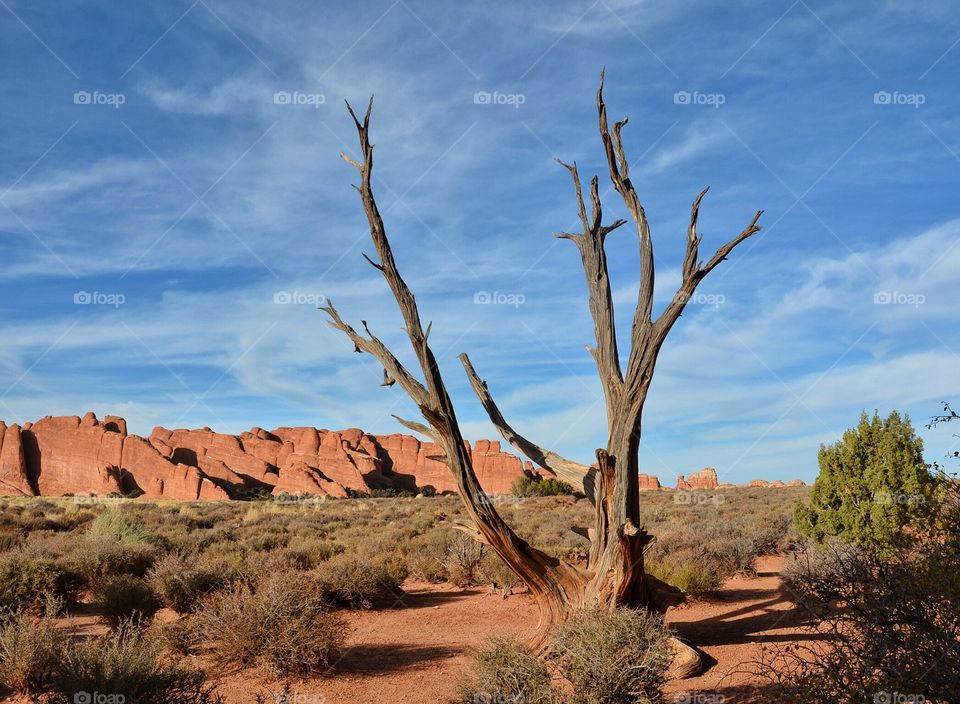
x=730, y=628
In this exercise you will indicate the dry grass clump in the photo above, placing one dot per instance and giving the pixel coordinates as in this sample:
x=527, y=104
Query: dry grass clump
x=618, y=657
x=282, y=625
x=360, y=583
x=182, y=581
x=29, y=582
x=28, y=651
x=505, y=671
x=129, y=663
x=124, y=599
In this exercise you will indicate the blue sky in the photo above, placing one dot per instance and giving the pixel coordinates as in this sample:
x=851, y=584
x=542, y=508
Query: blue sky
x=149, y=171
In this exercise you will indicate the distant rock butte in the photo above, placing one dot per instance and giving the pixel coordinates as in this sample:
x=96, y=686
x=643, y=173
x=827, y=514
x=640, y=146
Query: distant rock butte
x=706, y=478
x=71, y=455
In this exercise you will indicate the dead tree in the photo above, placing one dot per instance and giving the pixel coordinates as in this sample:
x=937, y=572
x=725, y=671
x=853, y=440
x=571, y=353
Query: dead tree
x=614, y=571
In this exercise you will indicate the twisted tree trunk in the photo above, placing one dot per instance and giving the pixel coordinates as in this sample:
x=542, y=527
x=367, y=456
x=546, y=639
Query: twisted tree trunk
x=614, y=574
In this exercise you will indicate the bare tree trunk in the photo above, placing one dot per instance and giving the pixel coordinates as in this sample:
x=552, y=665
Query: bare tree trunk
x=614, y=574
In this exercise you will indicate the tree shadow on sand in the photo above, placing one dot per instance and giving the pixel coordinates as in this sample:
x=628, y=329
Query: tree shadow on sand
x=376, y=659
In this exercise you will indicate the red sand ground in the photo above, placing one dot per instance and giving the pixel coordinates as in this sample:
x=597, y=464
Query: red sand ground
x=415, y=651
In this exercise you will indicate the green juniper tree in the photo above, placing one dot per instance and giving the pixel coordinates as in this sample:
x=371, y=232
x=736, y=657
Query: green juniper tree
x=873, y=483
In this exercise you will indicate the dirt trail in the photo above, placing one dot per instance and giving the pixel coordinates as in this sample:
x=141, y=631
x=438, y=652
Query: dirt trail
x=730, y=628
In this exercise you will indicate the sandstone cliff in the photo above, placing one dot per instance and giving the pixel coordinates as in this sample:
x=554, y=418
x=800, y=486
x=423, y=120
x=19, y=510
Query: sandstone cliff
x=68, y=454
x=71, y=455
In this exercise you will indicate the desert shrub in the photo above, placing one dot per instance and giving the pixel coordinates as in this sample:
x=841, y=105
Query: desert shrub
x=307, y=553
x=28, y=648
x=359, y=583
x=130, y=663
x=122, y=598
x=872, y=483
x=464, y=555
x=427, y=556
x=618, y=657
x=281, y=625
x=889, y=619
x=180, y=636
x=97, y=560
x=181, y=581
x=694, y=575
x=29, y=582
x=113, y=525
x=494, y=571
x=505, y=671
x=527, y=486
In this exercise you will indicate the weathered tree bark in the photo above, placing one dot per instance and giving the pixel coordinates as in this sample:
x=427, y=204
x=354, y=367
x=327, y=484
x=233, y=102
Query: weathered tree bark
x=614, y=573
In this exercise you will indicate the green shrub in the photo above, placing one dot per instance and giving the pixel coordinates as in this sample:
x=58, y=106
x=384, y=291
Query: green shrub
x=28, y=648
x=695, y=576
x=527, y=486
x=130, y=663
x=281, y=625
x=505, y=671
x=113, y=525
x=123, y=599
x=181, y=581
x=360, y=583
x=618, y=657
x=872, y=483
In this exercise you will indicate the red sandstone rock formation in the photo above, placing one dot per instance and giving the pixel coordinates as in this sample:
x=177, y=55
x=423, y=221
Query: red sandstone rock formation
x=796, y=482
x=759, y=483
x=67, y=454
x=706, y=478
x=648, y=482
x=13, y=465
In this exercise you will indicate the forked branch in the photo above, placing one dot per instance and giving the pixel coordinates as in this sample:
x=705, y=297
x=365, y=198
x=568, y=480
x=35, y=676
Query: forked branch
x=579, y=476
x=544, y=575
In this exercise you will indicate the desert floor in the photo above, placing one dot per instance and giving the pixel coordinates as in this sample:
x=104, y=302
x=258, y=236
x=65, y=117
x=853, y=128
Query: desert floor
x=415, y=651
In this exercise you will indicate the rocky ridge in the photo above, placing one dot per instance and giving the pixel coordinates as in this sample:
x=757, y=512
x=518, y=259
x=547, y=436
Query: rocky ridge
x=60, y=455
